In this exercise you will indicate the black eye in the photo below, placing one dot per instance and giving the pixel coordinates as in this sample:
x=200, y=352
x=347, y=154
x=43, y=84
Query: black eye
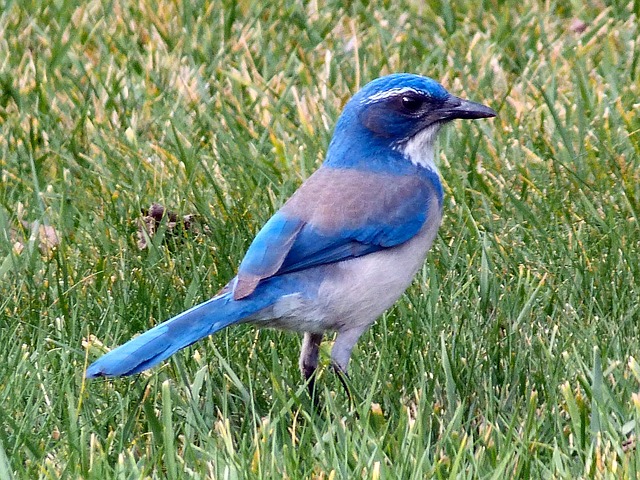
x=411, y=104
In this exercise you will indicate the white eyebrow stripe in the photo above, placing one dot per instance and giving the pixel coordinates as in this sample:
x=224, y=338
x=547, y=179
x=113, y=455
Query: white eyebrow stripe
x=392, y=92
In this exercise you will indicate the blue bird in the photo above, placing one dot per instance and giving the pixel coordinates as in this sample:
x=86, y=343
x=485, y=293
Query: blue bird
x=345, y=246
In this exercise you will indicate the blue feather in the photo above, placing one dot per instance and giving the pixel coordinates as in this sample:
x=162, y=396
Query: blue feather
x=367, y=215
x=162, y=341
x=271, y=246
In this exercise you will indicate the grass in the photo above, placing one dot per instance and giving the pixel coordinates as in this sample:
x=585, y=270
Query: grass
x=513, y=354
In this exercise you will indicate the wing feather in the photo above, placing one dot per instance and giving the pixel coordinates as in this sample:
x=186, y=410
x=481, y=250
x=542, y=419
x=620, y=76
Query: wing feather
x=336, y=215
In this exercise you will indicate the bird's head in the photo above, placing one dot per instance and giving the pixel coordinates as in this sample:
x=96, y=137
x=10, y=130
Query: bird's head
x=400, y=113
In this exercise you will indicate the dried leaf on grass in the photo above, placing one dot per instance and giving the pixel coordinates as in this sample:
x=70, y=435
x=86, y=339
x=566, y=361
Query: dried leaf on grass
x=151, y=219
x=577, y=26
x=47, y=237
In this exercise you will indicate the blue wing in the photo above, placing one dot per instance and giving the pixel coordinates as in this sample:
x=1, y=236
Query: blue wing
x=335, y=216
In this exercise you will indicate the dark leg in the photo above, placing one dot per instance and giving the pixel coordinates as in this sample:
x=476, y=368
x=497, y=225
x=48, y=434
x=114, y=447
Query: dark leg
x=343, y=377
x=341, y=353
x=309, y=361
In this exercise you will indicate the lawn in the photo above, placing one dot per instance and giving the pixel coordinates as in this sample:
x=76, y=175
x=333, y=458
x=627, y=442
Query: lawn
x=514, y=354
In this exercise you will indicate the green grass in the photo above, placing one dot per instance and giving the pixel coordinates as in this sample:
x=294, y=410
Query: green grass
x=512, y=355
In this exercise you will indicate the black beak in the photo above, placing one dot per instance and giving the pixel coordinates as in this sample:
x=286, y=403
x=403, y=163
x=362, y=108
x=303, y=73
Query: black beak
x=454, y=107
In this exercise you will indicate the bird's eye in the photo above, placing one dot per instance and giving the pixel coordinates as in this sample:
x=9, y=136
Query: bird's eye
x=411, y=104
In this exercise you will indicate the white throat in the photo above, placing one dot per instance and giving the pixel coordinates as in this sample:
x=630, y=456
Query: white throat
x=420, y=149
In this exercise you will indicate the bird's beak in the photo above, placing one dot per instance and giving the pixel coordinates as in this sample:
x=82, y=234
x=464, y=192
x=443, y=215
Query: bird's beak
x=455, y=107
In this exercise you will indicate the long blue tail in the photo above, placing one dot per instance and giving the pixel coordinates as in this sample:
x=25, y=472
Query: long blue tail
x=162, y=341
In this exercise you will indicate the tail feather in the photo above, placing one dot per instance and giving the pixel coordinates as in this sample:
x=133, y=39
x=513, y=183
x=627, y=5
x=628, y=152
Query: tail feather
x=162, y=341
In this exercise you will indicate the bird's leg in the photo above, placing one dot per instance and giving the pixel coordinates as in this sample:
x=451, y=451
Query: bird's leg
x=343, y=377
x=309, y=361
x=341, y=353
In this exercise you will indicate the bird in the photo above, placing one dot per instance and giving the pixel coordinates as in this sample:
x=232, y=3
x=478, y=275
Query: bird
x=344, y=247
